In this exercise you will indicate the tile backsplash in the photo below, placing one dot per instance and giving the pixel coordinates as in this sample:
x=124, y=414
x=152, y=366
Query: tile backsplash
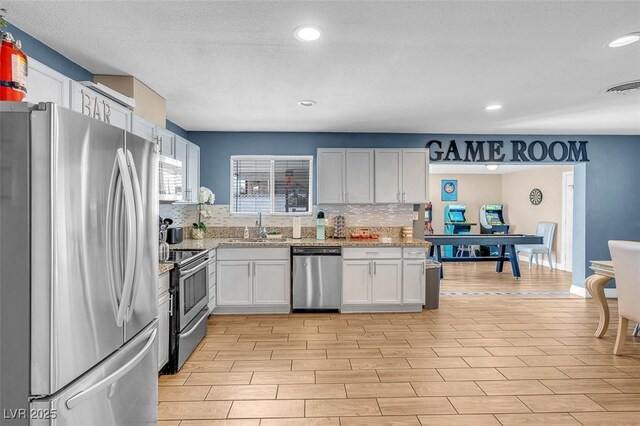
x=371, y=215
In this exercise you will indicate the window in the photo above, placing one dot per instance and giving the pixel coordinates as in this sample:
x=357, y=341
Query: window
x=273, y=184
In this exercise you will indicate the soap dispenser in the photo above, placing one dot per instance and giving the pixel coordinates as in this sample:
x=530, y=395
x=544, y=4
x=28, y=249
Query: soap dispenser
x=320, y=225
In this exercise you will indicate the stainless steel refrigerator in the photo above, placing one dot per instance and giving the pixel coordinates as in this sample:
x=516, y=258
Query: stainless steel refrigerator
x=78, y=270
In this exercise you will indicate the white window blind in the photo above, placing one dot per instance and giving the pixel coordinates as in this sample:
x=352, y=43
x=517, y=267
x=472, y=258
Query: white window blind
x=271, y=184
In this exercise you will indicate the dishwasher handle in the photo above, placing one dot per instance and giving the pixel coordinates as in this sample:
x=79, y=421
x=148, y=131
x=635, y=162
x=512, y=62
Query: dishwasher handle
x=316, y=251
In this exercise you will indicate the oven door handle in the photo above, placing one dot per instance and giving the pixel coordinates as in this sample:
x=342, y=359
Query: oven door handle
x=195, y=327
x=185, y=273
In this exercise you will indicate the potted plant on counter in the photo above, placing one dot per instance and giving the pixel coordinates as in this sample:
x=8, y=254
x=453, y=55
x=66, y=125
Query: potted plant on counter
x=205, y=198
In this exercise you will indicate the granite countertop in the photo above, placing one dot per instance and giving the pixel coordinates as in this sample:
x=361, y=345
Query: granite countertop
x=211, y=243
x=164, y=268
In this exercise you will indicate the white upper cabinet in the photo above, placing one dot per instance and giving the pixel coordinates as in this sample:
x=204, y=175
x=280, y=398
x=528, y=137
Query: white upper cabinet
x=415, y=176
x=180, y=149
x=193, y=172
x=366, y=176
x=359, y=176
x=165, y=142
x=47, y=85
x=143, y=128
x=331, y=176
x=94, y=105
x=388, y=182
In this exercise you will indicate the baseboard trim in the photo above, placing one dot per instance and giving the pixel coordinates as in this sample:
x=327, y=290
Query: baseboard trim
x=609, y=293
x=525, y=263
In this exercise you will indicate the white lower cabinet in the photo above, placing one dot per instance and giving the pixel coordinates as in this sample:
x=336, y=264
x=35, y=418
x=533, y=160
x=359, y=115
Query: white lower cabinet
x=212, y=280
x=413, y=280
x=253, y=278
x=271, y=282
x=382, y=277
x=234, y=283
x=356, y=282
x=386, y=282
x=366, y=282
x=164, y=313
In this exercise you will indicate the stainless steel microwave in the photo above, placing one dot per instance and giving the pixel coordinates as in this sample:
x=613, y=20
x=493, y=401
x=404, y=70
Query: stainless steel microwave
x=170, y=179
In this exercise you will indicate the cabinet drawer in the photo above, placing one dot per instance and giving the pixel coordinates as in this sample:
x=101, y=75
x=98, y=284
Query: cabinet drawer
x=241, y=253
x=413, y=252
x=372, y=253
x=163, y=283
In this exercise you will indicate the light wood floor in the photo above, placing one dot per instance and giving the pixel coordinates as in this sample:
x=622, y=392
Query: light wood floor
x=482, y=277
x=475, y=361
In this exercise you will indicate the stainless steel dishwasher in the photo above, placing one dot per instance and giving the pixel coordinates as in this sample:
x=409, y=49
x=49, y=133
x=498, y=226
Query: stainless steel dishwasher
x=317, y=278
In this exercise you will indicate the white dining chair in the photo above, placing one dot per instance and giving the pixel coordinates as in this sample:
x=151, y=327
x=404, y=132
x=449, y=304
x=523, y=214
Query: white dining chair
x=626, y=263
x=546, y=231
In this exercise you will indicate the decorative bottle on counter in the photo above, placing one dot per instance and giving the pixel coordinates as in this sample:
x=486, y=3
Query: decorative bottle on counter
x=320, y=225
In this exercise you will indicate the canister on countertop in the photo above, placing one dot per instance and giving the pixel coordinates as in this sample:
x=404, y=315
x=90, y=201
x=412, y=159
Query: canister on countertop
x=320, y=225
x=297, y=227
x=340, y=227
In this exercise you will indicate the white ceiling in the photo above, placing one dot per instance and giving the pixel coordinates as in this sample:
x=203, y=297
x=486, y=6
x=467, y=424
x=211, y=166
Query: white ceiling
x=384, y=66
x=480, y=169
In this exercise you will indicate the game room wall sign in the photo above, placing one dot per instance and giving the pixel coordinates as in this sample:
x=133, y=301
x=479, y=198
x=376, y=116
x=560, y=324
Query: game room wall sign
x=516, y=151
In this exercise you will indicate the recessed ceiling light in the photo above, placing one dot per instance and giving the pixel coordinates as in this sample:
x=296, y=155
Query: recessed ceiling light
x=306, y=103
x=624, y=40
x=491, y=166
x=307, y=33
x=493, y=107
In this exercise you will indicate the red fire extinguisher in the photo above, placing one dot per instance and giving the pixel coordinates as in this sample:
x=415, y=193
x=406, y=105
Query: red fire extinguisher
x=13, y=70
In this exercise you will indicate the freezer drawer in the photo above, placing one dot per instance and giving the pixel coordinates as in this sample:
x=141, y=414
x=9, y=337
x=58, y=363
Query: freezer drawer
x=122, y=390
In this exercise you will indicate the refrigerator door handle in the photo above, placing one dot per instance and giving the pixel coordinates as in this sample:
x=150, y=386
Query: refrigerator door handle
x=111, y=236
x=112, y=378
x=137, y=195
x=131, y=236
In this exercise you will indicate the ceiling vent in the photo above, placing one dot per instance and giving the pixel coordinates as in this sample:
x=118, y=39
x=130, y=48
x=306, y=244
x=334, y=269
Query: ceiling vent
x=624, y=88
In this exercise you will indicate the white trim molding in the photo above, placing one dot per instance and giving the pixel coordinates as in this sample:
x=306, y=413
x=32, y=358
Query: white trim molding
x=609, y=293
x=525, y=263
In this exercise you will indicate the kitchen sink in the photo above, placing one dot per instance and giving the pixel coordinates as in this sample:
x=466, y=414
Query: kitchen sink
x=257, y=240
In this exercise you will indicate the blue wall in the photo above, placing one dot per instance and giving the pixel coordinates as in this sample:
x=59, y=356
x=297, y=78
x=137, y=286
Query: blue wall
x=49, y=57
x=41, y=52
x=609, y=180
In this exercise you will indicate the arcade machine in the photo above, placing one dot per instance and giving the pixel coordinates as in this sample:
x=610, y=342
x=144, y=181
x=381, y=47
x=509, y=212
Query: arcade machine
x=455, y=223
x=492, y=222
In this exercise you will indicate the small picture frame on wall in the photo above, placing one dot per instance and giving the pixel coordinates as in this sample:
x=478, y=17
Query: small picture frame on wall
x=449, y=190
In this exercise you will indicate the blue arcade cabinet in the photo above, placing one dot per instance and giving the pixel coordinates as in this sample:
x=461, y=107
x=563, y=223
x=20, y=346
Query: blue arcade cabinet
x=455, y=223
x=492, y=222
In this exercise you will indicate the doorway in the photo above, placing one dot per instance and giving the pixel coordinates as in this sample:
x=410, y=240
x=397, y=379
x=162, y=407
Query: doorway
x=567, y=221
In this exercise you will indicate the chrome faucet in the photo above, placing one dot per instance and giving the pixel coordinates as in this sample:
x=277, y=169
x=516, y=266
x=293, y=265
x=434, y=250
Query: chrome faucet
x=262, y=230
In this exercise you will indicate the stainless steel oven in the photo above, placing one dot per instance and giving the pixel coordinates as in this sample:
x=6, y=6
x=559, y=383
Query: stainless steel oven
x=189, y=292
x=193, y=290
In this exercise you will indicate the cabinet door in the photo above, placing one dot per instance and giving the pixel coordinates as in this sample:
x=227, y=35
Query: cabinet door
x=180, y=147
x=331, y=176
x=94, y=105
x=388, y=176
x=415, y=176
x=143, y=128
x=47, y=85
x=163, y=330
x=165, y=142
x=413, y=281
x=356, y=282
x=359, y=174
x=233, y=283
x=386, y=285
x=271, y=282
x=193, y=172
